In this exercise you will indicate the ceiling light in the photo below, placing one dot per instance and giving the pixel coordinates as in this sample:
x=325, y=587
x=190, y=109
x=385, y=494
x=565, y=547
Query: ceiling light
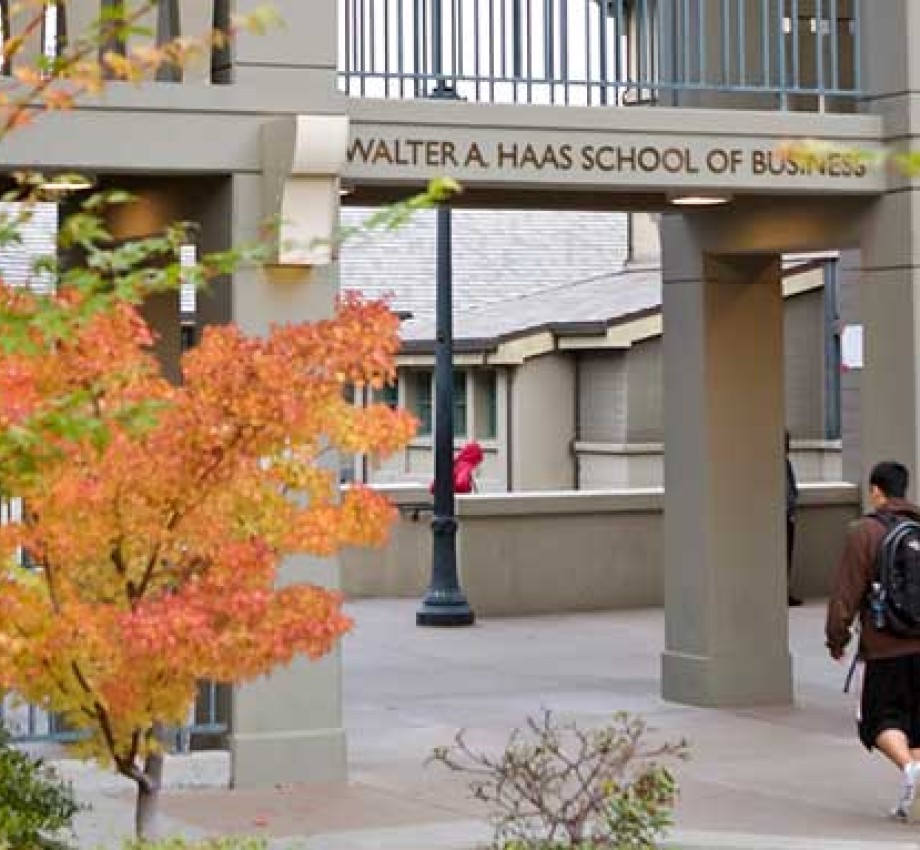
x=65, y=184
x=699, y=200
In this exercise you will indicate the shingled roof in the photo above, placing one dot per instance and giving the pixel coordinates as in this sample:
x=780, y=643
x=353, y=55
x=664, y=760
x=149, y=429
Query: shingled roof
x=580, y=307
x=499, y=255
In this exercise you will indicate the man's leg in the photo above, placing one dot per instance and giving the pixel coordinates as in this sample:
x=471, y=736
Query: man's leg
x=894, y=744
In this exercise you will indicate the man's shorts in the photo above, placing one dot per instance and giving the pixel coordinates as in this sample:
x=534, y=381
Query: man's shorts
x=890, y=699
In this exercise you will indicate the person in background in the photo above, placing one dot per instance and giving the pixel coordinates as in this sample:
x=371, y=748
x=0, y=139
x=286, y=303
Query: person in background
x=792, y=503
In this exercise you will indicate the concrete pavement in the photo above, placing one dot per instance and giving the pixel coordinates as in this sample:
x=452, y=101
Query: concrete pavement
x=783, y=777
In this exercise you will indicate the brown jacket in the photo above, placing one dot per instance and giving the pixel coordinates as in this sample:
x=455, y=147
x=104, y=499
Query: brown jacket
x=854, y=578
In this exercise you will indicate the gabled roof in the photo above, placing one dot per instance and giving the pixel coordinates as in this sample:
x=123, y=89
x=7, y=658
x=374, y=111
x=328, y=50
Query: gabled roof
x=581, y=307
x=497, y=255
x=516, y=274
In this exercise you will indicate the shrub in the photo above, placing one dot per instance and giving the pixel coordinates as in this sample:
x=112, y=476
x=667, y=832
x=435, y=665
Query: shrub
x=35, y=804
x=556, y=785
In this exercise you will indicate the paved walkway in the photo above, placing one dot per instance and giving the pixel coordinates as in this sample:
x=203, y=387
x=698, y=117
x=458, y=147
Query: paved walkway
x=789, y=778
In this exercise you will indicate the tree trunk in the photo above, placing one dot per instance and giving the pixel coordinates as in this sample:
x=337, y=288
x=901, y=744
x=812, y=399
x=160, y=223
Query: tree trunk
x=146, y=814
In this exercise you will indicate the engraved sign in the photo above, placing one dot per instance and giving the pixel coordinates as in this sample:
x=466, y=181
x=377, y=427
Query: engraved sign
x=449, y=155
x=628, y=160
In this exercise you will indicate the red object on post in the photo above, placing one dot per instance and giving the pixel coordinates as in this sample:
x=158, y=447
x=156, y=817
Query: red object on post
x=466, y=463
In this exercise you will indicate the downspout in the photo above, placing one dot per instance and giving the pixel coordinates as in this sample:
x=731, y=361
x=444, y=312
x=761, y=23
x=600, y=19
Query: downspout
x=577, y=394
x=832, y=425
x=509, y=422
x=630, y=235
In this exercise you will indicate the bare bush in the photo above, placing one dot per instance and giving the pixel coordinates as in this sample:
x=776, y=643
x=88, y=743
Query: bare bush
x=556, y=785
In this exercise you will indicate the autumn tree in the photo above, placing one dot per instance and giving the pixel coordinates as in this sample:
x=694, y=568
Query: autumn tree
x=157, y=516
x=156, y=544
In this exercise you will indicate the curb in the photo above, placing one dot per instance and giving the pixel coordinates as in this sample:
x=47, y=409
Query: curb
x=697, y=840
x=474, y=835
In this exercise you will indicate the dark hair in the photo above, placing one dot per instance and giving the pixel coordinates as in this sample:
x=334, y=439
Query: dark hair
x=891, y=478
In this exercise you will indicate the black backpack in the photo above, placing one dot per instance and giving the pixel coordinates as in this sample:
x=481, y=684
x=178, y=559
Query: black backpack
x=894, y=601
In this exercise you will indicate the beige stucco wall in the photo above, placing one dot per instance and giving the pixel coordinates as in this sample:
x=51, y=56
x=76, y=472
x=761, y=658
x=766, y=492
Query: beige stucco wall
x=619, y=465
x=554, y=552
x=542, y=424
x=403, y=566
x=803, y=357
x=645, y=392
x=604, y=465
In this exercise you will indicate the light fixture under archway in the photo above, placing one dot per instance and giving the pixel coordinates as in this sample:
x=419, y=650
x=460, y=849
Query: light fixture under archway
x=702, y=199
x=66, y=184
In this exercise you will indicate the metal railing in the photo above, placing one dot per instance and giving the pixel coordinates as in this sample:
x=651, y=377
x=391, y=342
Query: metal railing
x=800, y=54
x=73, y=20
x=29, y=724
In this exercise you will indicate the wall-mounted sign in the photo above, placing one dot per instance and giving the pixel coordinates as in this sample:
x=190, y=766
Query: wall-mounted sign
x=851, y=345
x=602, y=158
x=631, y=160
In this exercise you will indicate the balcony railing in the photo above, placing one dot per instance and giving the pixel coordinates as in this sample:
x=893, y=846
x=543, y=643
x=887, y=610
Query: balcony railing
x=71, y=20
x=787, y=54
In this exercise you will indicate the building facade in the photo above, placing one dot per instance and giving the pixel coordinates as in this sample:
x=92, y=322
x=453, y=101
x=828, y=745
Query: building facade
x=558, y=325
x=628, y=105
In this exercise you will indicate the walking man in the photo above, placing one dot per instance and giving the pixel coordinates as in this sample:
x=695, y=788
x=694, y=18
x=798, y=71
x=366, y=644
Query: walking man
x=889, y=718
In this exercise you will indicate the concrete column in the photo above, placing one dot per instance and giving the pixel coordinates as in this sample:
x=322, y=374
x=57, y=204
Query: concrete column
x=890, y=290
x=541, y=435
x=286, y=727
x=644, y=239
x=725, y=591
x=308, y=41
x=214, y=213
x=890, y=285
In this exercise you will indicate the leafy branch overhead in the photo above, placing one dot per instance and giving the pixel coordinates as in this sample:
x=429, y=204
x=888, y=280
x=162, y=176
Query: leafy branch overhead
x=812, y=155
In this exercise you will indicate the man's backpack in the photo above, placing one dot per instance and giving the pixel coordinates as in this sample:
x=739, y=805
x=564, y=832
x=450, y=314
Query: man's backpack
x=895, y=597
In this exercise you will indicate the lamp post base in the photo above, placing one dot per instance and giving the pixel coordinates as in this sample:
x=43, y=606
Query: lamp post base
x=444, y=616
x=443, y=91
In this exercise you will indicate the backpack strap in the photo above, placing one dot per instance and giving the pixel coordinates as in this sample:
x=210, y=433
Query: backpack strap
x=889, y=522
x=888, y=519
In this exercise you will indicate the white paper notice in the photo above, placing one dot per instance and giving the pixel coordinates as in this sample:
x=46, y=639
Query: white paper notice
x=851, y=347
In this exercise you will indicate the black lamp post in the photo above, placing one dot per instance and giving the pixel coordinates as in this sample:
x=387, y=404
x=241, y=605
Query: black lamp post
x=444, y=603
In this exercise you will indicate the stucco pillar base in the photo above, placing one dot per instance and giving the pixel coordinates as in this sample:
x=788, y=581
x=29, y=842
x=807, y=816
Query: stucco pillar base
x=727, y=680
x=316, y=755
